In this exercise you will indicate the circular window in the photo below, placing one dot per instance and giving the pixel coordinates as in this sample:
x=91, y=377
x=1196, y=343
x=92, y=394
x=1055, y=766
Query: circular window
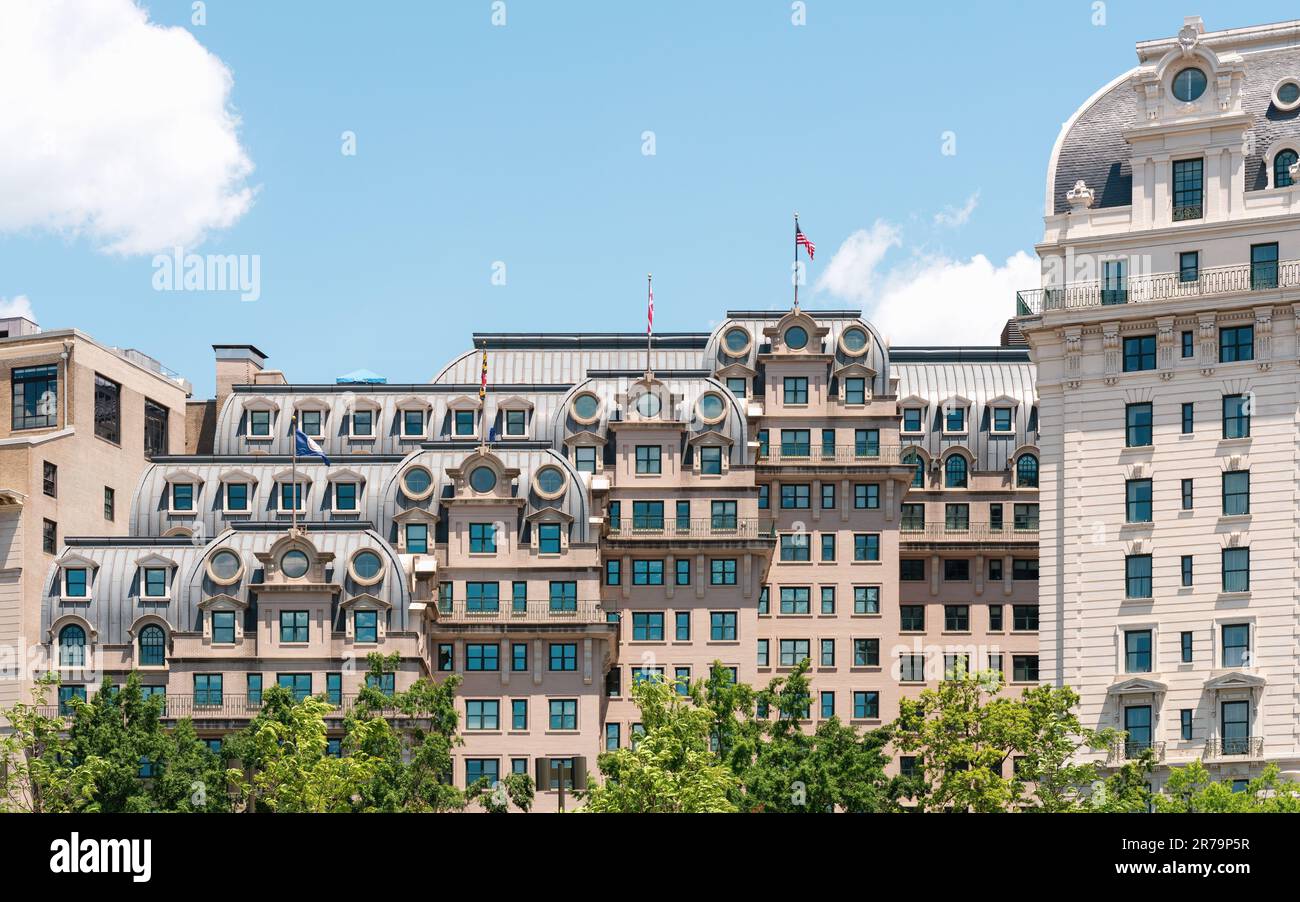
x=366, y=567
x=737, y=341
x=225, y=566
x=648, y=404
x=549, y=482
x=294, y=564
x=586, y=408
x=416, y=483
x=1286, y=95
x=483, y=480
x=796, y=338
x=710, y=408
x=1189, y=84
x=853, y=341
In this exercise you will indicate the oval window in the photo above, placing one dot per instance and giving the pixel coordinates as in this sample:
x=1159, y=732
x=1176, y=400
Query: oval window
x=1288, y=93
x=855, y=340
x=417, y=481
x=550, y=481
x=294, y=564
x=366, y=565
x=585, y=407
x=711, y=407
x=648, y=404
x=1189, y=84
x=737, y=341
x=483, y=480
x=225, y=565
x=796, y=338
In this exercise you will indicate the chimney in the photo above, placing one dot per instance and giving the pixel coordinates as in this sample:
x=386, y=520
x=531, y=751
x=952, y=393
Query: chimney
x=236, y=365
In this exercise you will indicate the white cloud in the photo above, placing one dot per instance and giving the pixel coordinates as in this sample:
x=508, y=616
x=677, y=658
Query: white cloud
x=851, y=273
x=955, y=217
x=115, y=128
x=17, y=306
x=943, y=301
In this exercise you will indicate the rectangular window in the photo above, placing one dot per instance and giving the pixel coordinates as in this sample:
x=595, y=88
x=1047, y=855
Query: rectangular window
x=722, y=626
x=564, y=656
x=35, y=396
x=866, y=652
x=794, y=600
x=794, y=547
x=1186, y=567
x=828, y=704
x=50, y=480
x=417, y=538
x=911, y=618
x=683, y=571
x=647, y=572
x=683, y=516
x=298, y=684
x=1024, y=668
x=682, y=626
x=564, y=714
x=648, y=515
x=519, y=656
x=294, y=626
x=1137, y=651
x=956, y=570
x=482, y=714
x=1185, y=645
x=911, y=570
x=564, y=595
x=613, y=738
x=1236, y=343
x=1189, y=417
x=956, y=517
x=762, y=656
x=828, y=444
x=75, y=582
x=1185, y=723
x=1236, y=493
x=855, y=390
x=711, y=460
x=995, y=618
x=1139, y=353
x=956, y=618
x=828, y=600
x=912, y=517
x=1236, y=569
x=866, y=599
x=1114, y=282
x=548, y=538
x=519, y=714
x=207, y=689
x=1236, y=416
x=1189, y=345
x=345, y=496
x=954, y=420
x=482, y=538
x=794, y=496
x=866, y=442
x=793, y=651
x=1002, y=421
x=911, y=419
x=363, y=423
x=648, y=458
x=259, y=423
x=828, y=496
x=290, y=496
x=1137, y=574
x=155, y=582
x=796, y=389
x=110, y=503
x=1187, y=494
x=236, y=496
x=795, y=443
x=253, y=687
x=584, y=459
x=613, y=572
x=482, y=596
x=182, y=496
x=866, y=496
x=1236, y=645
x=1025, y=517
x=108, y=409
x=866, y=705
x=736, y=385
x=1137, y=425
x=1024, y=617
x=1263, y=266
x=223, y=628
x=1137, y=494
x=445, y=658
x=309, y=421
x=463, y=422
x=1188, y=189
x=647, y=626
x=764, y=500
x=519, y=595
x=1189, y=267
x=722, y=572
x=828, y=546
x=911, y=668
x=866, y=546
x=516, y=422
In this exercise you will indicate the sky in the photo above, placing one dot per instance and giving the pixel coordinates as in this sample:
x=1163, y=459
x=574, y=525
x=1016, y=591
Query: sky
x=395, y=176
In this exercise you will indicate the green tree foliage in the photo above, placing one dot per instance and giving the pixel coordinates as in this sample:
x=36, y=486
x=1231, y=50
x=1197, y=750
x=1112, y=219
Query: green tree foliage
x=671, y=769
x=1191, y=790
x=40, y=775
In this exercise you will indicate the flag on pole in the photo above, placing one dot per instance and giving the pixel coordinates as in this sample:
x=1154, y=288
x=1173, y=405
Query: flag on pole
x=305, y=446
x=482, y=388
x=801, y=239
x=650, y=312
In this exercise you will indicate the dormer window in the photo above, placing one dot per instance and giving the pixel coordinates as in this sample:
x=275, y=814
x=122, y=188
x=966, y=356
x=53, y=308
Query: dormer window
x=516, y=423
x=153, y=582
x=416, y=538
x=584, y=458
x=363, y=423
x=1282, y=165
x=796, y=338
x=954, y=420
x=345, y=497
x=463, y=423
x=182, y=497
x=548, y=538
x=236, y=497
x=483, y=480
x=911, y=419
x=1189, y=84
x=711, y=460
x=311, y=422
x=737, y=341
x=292, y=495
x=648, y=405
x=855, y=390
x=417, y=483
x=294, y=564
x=1189, y=189
x=853, y=341
x=366, y=627
x=412, y=423
x=1002, y=420
x=76, y=582
x=738, y=385
x=259, y=423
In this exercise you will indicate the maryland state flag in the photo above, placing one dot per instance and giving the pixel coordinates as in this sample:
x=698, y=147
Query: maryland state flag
x=482, y=388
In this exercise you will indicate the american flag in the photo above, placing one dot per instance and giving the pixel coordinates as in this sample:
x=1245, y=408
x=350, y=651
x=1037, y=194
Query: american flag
x=650, y=312
x=801, y=238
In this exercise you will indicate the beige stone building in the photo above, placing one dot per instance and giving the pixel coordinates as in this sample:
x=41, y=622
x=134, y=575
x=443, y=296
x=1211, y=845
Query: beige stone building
x=78, y=422
x=1165, y=338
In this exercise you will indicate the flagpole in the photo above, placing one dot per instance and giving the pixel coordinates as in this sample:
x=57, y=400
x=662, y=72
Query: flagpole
x=649, y=324
x=482, y=401
x=796, y=259
x=293, y=473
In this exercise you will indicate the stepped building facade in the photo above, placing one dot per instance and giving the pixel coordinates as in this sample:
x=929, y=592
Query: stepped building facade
x=784, y=487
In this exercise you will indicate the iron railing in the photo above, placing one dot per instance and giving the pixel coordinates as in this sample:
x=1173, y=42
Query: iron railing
x=1219, y=280
x=1129, y=750
x=1235, y=747
x=972, y=532
x=812, y=453
x=720, y=527
x=510, y=610
x=225, y=706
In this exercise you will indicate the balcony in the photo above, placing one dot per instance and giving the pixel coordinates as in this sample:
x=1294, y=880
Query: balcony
x=656, y=529
x=533, y=612
x=970, y=532
x=225, y=707
x=790, y=454
x=1122, y=750
x=1234, y=747
x=1168, y=286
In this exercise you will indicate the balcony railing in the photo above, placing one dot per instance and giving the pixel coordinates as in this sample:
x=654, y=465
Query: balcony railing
x=1235, y=747
x=799, y=453
x=1129, y=750
x=508, y=610
x=226, y=706
x=712, y=528
x=972, y=532
x=1220, y=280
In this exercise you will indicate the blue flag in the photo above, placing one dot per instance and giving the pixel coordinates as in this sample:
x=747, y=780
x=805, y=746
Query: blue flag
x=305, y=446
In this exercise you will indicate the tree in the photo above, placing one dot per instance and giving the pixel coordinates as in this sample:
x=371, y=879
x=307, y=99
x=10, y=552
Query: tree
x=1048, y=739
x=671, y=768
x=1192, y=790
x=40, y=775
x=496, y=798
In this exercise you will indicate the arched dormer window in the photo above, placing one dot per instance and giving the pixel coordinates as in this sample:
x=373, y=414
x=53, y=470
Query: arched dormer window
x=1027, y=472
x=153, y=643
x=72, y=646
x=913, y=460
x=955, y=472
x=1282, y=164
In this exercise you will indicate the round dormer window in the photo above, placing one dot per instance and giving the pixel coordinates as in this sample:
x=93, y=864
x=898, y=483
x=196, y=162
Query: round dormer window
x=366, y=567
x=225, y=567
x=417, y=482
x=549, y=482
x=796, y=338
x=1189, y=84
x=853, y=341
x=294, y=564
x=648, y=404
x=710, y=407
x=483, y=480
x=586, y=408
x=737, y=342
x=1286, y=94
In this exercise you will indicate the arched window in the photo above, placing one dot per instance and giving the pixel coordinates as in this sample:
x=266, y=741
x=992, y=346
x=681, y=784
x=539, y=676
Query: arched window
x=1282, y=164
x=912, y=459
x=1027, y=472
x=72, y=646
x=955, y=472
x=151, y=646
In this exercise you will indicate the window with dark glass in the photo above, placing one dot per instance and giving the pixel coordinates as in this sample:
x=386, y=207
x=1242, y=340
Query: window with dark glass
x=866, y=652
x=1236, y=492
x=1137, y=500
x=866, y=546
x=954, y=419
x=911, y=618
x=108, y=409
x=1002, y=421
x=1027, y=472
x=1236, y=416
x=866, y=599
x=794, y=651
x=110, y=503
x=1137, y=425
x=795, y=389
x=794, y=600
x=911, y=419
x=955, y=472
x=1137, y=651
x=995, y=618
x=1236, y=645
x=1187, y=494
x=648, y=458
x=1024, y=668
x=1137, y=574
x=1189, y=193
x=1139, y=353
x=1114, y=282
x=1185, y=566
x=1236, y=569
x=912, y=516
x=1189, y=267
x=1189, y=345
x=1283, y=162
x=711, y=460
x=1185, y=646
x=956, y=570
x=722, y=626
x=866, y=496
x=548, y=538
x=956, y=618
x=464, y=422
x=647, y=572
x=911, y=569
x=682, y=566
x=1236, y=343
x=564, y=656
x=1024, y=568
x=1263, y=266
x=866, y=442
x=207, y=689
x=223, y=627
x=855, y=390
x=828, y=546
x=1189, y=417
x=294, y=626
x=50, y=479
x=35, y=396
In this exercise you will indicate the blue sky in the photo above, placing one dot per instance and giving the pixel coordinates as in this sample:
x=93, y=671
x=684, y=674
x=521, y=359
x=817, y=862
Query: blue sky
x=523, y=144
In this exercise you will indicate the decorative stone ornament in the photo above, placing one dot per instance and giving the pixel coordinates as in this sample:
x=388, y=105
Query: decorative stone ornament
x=1080, y=196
